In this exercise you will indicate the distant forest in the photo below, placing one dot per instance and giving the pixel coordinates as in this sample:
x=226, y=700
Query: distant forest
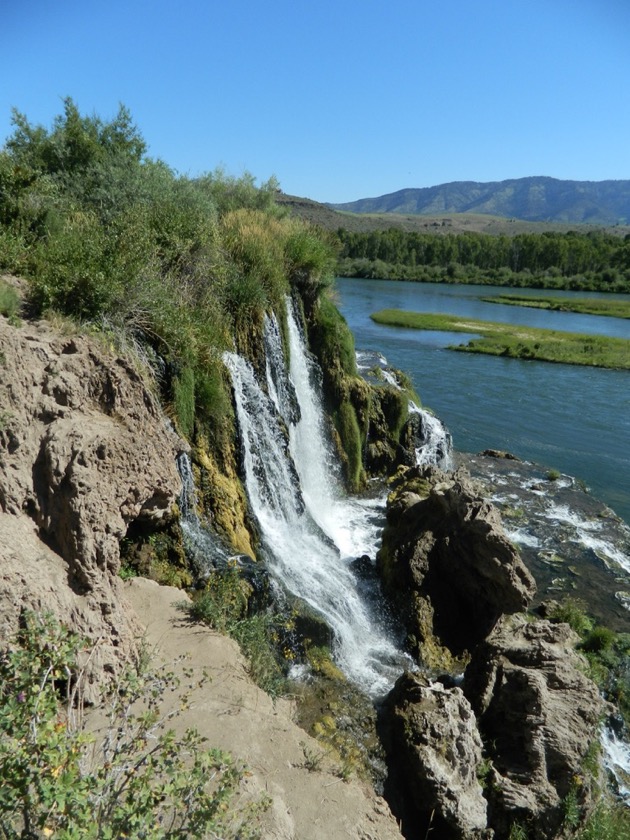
x=595, y=261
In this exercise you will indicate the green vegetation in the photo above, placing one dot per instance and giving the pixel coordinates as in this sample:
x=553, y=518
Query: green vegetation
x=331, y=340
x=607, y=822
x=606, y=652
x=593, y=261
x=183, y=268
x=224, y=605
x=139, y=781
x=518, y=342
x=9, y=301
x=585, y=306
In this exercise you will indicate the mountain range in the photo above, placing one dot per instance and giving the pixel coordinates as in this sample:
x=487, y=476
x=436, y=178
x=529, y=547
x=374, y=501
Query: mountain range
x=536, y=199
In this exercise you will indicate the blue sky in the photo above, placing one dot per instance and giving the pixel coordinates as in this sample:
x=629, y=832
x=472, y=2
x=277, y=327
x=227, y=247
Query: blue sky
x=338, y=99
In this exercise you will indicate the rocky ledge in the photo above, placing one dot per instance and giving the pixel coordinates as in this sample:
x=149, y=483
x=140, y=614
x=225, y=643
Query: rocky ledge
x=503, y=744
x=447, y=563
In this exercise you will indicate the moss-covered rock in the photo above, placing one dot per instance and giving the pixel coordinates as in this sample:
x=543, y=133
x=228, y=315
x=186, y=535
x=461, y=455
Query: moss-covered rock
x=223, y=498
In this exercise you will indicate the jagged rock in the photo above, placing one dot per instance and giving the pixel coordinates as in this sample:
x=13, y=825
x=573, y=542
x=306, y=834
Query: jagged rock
x=538, y=714
x=500, y=453
x=434, y=751
x=84, y=452
x=446, y=562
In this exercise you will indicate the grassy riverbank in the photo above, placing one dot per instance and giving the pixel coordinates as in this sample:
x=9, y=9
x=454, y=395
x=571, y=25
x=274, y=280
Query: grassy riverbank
x=583, y=306
x=518, y=342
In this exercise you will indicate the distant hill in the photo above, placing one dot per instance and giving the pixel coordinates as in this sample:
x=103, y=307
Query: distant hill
x=536, y=199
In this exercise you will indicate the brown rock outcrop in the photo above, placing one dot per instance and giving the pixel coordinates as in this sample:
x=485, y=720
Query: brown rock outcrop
x=84, y=452
x=435, y=750
x=446, y=562
x=538, y=714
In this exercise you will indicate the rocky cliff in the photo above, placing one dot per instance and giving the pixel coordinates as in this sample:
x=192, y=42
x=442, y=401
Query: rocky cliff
x=86, y=457
x=84, y=453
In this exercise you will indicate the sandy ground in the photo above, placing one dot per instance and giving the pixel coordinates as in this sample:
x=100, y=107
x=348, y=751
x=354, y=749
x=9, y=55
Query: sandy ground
x=235, y=715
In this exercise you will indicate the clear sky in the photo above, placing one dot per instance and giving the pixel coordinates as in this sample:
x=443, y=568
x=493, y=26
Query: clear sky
x=339, y=99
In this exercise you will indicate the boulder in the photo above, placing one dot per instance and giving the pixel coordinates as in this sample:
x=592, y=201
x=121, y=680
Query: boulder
x=434, y=751
x=538, y=714
x=446, y=562
x=84, y=452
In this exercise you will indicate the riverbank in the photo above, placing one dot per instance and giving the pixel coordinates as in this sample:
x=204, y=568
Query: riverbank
x=525, y=343
x=583, y=306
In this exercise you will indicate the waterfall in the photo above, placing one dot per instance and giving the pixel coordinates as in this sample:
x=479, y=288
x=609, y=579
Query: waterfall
x=351, y=524
x=204, y=548
x=617, y=762
x=434, y=444
x=310, y=534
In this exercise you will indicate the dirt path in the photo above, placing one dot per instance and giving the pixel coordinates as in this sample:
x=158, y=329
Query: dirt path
x=235, y=715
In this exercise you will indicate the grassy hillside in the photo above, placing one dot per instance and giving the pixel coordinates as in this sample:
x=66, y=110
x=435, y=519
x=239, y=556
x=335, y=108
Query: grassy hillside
x=538, y=199
x=331, y=219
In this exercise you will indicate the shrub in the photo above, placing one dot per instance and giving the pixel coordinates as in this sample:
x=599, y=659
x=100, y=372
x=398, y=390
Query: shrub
x=573, y=612
x=599, y=639
x=139, y=782
x=9, y=301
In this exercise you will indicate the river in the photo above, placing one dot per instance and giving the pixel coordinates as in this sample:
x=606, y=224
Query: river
x=570, y=418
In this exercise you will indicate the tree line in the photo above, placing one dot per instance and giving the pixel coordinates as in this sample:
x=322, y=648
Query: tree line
x=596, y=259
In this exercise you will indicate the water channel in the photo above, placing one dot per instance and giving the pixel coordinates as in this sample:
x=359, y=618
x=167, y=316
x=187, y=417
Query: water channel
x=571, y=418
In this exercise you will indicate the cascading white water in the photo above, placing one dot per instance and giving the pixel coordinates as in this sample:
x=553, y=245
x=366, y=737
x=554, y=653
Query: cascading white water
x=204, y=549
x=617, y=762
x=354, y=525
x=434, y=441
x=300, y=547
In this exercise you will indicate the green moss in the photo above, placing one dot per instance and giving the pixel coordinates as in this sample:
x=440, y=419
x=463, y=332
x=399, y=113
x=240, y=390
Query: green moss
x=184, y=401
x=223, y=497
x=213, y=407
x=395, y=407
x=347, y=425
x=331, y=339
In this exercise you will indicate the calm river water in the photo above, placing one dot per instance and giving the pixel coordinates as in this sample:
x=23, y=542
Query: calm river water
x=574, y=419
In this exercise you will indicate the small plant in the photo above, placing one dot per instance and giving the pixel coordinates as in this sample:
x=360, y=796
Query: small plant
x=553, y=474
x=484, y=771
x=312, y=758
x=127, y=572
x=573, y=612
x=517, y=832
x=140, y=781
x=5, y=419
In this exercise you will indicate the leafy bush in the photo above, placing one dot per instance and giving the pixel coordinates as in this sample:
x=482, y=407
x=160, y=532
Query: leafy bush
x=141, y=781
x=181, y=268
